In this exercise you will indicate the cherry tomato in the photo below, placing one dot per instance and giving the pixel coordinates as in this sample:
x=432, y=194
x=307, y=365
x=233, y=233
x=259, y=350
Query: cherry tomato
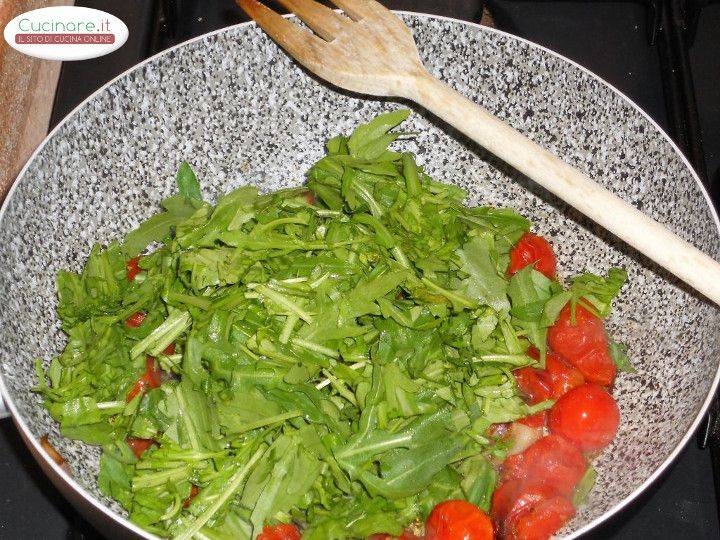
x=406, y=535
x=587, y=416
x=135, y=320
x=138, y=446
x=514, y=497
x=529, y=510
x=283, y=531
x=583, y=344
x=533, y=387
x=537, y=421
x=170, y=349
x=552, y=460
x=194, y=490
x=535, y=250
x=458, y=520
x=152, y=378
x=132, y=268
x=560, y=376
x=542, y=521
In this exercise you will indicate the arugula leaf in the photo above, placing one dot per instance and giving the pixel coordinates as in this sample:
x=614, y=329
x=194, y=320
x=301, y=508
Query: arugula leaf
x=483, y=284
x=618, y=352
x=584, y=486
x=598, y=291
x=369, y=140
x=158, y=227
x=187, y=182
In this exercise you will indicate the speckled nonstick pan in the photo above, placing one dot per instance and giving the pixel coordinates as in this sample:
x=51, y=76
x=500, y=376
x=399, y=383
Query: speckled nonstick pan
x=241, y=112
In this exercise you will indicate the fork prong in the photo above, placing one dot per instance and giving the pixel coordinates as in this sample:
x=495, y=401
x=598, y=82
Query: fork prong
x=323, y=20
x=301, y=44
x=359, y=9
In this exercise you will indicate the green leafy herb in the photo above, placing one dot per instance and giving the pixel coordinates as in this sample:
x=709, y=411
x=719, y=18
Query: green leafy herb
x=187, y=182
x=584, y=486
x=597, y=292
x=618, y=352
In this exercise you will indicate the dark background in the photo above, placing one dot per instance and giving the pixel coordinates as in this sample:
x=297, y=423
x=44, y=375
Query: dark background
x=609, y=38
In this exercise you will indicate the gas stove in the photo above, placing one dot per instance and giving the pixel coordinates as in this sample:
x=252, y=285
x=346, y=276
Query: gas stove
x=663, y=54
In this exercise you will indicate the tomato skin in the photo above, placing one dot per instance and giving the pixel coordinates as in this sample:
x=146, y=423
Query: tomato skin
x=537, y=420
x=514, y=497
x=528, y=510
x=535, y=250
x=550, y=383
x=560, y=376
x=139, y=446
x=583, y=344
x=282, y=531
x=458, y=520
x=135, y=320
x=152, y=378
x=531, y=384
x=406, y=535
x=132, y=268
x=586, y=416
x=552, y=460
x=194, y=490
x=310, y=198
x=543, y=520
x=170, y=349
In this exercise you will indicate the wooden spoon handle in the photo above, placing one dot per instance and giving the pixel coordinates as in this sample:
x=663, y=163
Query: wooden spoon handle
x=602, y=206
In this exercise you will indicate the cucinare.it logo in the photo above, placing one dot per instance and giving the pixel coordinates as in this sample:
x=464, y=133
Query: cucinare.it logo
x=66, y=33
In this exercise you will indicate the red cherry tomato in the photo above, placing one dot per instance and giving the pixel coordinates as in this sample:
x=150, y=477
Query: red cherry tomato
x=152, y=378
x=406, y=535
x=514, y=497
x=528, y=510
x=458, y=520
x=531, y=385
x=283, y=531
x=310, y=198
x=536, y=421
x=138, y=446
x=560, y=376
x=135, y=320
x=552, y=460
x=535, y=250
x=132, y=268
x=587, y=416
x=583, y=344
x=542, y=521
x=170, y=349
x=194, y=490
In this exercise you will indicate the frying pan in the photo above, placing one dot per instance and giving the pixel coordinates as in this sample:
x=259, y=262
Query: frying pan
x=242, y=113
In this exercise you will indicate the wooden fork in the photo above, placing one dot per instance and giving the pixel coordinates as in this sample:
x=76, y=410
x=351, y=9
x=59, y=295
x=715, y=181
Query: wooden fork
x=371, y=51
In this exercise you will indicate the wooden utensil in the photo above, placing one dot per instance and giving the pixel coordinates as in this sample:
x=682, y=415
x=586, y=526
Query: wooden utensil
x=371, y=51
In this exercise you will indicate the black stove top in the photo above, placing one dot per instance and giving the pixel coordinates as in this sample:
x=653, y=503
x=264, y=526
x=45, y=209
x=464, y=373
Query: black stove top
x=609, y=38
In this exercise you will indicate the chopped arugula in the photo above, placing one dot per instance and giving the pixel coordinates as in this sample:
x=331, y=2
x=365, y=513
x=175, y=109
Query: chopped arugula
x=332, y=354
x=618, y=352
